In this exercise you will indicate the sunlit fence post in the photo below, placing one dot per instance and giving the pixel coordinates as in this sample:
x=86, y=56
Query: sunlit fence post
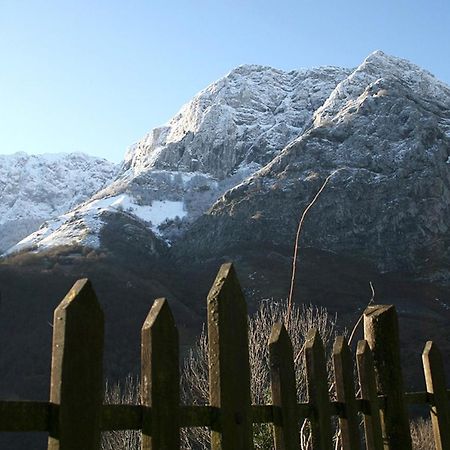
x=160, y=379
x=229, y=369
x=382, y=334
x=76, y=387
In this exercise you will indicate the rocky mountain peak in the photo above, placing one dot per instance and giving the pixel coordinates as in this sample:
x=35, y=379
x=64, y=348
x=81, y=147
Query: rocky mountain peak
x=386, y=128
x=377, y=75
x=246, y=116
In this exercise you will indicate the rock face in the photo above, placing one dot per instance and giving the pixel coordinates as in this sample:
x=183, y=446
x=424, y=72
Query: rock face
x=239, y=163
x=36, y=188
x=247, y=117
x=386, y=128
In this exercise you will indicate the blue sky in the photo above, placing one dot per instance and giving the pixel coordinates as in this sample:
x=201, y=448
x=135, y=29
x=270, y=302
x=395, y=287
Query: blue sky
x=95, y=76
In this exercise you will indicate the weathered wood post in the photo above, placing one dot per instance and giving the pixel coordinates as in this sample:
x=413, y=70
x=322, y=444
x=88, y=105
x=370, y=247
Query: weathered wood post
x=160, y=379
x=382, y=334
x=229, y=369
x=369, y=396
x=436, y=386
x=76, y=375
x=284, y=391
x=318, y=398
x=345, y=393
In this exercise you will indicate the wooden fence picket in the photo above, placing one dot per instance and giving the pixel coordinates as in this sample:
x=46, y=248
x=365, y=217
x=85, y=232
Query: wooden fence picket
x=317, y=384
x=76, y=387
x=382, y=334
x=283, y=387
x=345, y=394
x=436, y=386
x=229, y=369
x=369, y=396
x=160, y=379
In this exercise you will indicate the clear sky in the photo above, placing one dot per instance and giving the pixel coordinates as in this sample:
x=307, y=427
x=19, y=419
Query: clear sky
x=95, y=76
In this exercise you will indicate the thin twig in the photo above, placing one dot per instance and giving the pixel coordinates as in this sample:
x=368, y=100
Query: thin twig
x=297, y=237
x=372, y=298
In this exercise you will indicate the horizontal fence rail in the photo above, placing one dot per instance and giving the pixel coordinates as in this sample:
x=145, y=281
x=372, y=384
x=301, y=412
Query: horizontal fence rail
x=28, y=416
x=75, y=415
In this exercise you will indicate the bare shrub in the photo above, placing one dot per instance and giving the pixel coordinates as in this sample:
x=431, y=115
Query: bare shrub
x=126, y=394
x=298, y=320
x=422, y=434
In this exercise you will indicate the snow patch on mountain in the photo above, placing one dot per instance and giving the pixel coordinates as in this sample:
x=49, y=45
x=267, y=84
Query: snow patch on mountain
x=34, y=188
x=82, y=225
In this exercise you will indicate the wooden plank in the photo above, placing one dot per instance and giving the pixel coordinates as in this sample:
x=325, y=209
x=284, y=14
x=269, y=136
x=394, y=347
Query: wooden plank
x=264, y=413
x=382, y=334
x=121, y=417
x=436, y=386
x=24, y=416
x=284, y=391
x=160, y=379
x=370, y=405
x=317, y=384
x=198, y=416
x=345, y=394
x=229, y=370
x=76, y=373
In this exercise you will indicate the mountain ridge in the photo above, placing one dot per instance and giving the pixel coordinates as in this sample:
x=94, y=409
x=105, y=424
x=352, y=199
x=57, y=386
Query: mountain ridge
x=174, y=175
x=35, y=188
x=259, y=140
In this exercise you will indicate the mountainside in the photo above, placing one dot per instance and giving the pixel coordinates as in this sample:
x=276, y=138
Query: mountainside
x=386, y=130
x=176, y=172
x=228, y=179
x=34, y=188
x=239, y=163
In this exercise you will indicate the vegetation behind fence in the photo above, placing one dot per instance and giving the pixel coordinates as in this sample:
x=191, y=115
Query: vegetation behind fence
x=75, y=416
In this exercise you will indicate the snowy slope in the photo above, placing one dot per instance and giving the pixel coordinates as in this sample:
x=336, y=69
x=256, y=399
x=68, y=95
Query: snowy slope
x=262, y=136
x=34, y=188
x=224, y=134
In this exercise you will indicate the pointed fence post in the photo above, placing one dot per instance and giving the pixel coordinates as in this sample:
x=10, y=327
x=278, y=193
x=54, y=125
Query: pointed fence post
x=369, y=395
x=382, y=334
x=160, y=379
x=436, y=386
x=229, y=369
x=284, y=392
x=76, y=375
x=317, y=384
x=345, y=393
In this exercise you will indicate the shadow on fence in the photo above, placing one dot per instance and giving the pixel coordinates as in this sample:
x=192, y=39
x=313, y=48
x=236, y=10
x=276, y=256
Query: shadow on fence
x=75, y=415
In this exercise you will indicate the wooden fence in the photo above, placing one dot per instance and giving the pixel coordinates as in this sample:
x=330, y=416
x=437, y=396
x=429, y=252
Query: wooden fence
x=75, y=416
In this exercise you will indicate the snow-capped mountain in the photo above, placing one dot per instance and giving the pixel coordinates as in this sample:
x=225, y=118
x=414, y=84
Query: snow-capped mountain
x=176, y=172
x=228, y=179
x=385, y=129
x=35, y=188
x=240, y=161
